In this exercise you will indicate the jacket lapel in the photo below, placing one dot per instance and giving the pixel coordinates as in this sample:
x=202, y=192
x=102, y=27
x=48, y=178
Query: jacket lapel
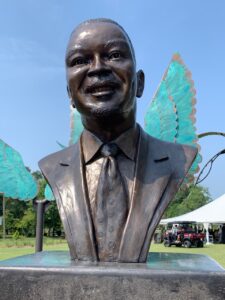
x=152, y=177
x=75, y=205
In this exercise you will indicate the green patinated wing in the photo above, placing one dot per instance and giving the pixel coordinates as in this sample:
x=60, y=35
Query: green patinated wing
x=15, y=180
x=171, y=115
x=161, y=113
x=76, y=126
x=48, y=193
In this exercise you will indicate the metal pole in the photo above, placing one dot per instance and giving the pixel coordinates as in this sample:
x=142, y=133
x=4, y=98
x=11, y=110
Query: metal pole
x=40, y=207
x=3, y=216
x=211, y=161
x=210, y=133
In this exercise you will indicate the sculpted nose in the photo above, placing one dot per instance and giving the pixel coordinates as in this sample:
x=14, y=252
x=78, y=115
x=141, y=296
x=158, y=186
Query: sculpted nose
x=98, y=68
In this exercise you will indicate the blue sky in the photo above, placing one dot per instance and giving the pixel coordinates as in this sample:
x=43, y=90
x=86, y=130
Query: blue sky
x=34, y=34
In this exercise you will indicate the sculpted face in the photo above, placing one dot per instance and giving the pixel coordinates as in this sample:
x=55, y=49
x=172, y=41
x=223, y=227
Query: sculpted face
x=101, y=72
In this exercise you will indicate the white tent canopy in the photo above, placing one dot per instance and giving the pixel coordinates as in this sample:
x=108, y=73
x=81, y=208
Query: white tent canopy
x=213, y=212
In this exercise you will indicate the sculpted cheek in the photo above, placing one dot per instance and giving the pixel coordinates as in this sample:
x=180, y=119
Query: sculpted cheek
x=133, y=88
x=75, y=80
x=130, y=73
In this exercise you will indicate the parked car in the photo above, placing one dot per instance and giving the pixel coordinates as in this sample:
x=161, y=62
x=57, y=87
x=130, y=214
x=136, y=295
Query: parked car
x=183, y=234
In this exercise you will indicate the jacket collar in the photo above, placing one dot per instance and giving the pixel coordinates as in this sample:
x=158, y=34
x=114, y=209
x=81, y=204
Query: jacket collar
x=127, y=142
x=92, y=144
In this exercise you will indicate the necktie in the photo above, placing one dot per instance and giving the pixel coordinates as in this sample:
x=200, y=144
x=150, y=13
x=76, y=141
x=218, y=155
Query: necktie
x=110, y=206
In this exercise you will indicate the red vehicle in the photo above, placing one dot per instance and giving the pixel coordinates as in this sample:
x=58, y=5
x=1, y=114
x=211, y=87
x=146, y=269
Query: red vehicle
x=183, y=234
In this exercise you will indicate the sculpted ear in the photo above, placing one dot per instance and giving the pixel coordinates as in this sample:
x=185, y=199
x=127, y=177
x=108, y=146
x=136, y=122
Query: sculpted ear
x=70, y=97
x=140, y=83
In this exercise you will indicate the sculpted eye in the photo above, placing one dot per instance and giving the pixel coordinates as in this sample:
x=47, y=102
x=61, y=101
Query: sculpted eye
x=79, y=61
x=115, y=55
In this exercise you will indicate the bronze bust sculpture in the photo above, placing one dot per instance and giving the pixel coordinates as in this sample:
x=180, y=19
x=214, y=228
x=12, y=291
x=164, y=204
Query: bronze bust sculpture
x=114, y=184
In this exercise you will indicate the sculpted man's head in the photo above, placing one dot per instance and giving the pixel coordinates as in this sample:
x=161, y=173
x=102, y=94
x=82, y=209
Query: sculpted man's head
x=101, y=71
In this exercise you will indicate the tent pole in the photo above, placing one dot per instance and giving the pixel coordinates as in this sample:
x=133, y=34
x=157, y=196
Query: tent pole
x=206, y=226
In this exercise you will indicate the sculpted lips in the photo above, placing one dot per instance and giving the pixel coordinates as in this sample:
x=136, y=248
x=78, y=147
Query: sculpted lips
x=100, y=89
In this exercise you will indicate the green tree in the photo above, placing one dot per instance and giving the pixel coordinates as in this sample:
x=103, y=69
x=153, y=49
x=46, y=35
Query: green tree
x=26, y=224
x=21, y=215
x=41, y=184
x=52, y=220
x=187, y=199
x=10, y=222
x=14, y=212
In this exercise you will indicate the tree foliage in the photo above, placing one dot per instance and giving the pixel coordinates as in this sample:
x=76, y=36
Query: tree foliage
x=21, y=215
x=41, y=184
x=26, y=225
x=187, y=199
x=52, y=220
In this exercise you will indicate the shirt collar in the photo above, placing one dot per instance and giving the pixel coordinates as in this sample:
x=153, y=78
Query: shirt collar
x=127, y=142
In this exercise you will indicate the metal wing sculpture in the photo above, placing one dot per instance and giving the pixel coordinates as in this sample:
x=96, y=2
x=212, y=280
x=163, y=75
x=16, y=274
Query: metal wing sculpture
x=48, y=193
x=15, y=180
x=171, y=114
x=76, y=125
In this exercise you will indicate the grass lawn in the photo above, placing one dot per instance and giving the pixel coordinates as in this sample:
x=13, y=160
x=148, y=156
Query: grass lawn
x=215, y=251
x=11, y=248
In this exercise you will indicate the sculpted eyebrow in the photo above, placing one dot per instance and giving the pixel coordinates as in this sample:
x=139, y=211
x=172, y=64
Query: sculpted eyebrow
x=112, y=43
x=73, y=51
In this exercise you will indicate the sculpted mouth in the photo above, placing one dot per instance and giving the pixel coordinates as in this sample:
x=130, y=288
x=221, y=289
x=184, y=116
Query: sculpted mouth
x=103, y=89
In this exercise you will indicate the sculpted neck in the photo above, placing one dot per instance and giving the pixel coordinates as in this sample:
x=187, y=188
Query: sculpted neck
x=110, y=127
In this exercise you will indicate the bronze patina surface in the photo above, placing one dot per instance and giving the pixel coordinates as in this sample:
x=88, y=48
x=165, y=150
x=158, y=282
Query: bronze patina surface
x=111, y=203
x=52, y=275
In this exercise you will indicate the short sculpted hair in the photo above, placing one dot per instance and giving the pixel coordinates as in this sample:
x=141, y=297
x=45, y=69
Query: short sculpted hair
x=105, y=20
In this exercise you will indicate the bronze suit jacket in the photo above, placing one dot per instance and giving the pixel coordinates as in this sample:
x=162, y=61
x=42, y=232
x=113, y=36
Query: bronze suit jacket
x=160, y=169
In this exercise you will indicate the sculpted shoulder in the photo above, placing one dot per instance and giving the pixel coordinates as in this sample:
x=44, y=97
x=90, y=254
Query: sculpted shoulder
x=62, y=157
x=180, y=156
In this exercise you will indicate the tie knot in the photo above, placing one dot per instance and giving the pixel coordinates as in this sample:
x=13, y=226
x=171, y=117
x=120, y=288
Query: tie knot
x=110, y=149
